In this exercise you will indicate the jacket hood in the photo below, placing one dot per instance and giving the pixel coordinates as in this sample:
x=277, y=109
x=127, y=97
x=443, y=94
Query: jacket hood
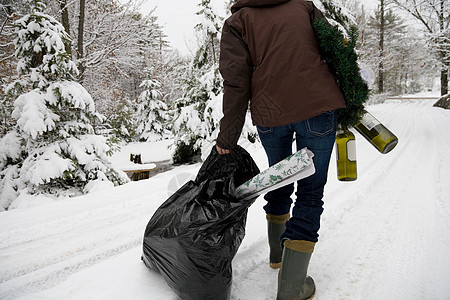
x=255, y=3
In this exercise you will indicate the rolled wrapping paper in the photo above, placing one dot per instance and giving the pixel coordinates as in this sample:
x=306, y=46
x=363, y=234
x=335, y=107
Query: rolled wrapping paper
x=295, y=167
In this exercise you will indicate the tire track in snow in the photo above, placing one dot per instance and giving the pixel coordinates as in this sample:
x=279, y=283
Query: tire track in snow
x=345, y=197
x=45, y=247
x=425, y=205
x=438, y=202
x=387, y=217
x=48, y=276
x=105, y=222
x=251, y=269
x=41, y=254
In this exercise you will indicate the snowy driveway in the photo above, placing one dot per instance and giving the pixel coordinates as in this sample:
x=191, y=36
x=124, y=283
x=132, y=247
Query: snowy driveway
x=384, y=236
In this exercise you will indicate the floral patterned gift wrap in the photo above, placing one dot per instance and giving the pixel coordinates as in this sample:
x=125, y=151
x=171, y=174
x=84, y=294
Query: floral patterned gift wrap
x=295, y=167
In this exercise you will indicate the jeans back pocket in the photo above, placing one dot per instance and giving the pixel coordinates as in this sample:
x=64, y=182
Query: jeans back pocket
x=323, y=124
x=264, y=130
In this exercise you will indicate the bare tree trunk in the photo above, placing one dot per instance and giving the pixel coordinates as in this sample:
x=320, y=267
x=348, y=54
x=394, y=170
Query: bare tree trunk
x=444, y=81
x=65, y=23
x=406, y=83
x=442, y=54
x=381, y=46
x=80, y=52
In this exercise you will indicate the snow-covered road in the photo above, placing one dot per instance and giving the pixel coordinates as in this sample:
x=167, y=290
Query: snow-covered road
x=384, y=236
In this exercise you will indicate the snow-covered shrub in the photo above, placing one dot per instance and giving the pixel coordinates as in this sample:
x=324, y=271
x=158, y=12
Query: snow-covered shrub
x=53, y=148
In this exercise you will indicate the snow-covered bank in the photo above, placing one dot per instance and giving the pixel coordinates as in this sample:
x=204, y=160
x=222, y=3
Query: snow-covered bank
x=384, y=236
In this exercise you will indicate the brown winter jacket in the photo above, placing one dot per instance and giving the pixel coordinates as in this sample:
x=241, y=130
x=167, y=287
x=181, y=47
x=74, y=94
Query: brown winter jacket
x=270, y=57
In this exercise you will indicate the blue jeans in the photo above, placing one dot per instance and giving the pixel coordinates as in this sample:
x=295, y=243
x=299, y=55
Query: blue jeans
x=318, y=135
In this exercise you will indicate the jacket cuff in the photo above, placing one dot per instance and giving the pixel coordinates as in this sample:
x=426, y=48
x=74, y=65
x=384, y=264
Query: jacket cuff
x=224, y=144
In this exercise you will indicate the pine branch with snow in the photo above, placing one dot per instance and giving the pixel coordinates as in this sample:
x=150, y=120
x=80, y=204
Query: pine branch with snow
x=40, y=49
x=337, y=14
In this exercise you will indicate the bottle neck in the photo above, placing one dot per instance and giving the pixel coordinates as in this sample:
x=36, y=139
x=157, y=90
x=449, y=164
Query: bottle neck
x=341, y=129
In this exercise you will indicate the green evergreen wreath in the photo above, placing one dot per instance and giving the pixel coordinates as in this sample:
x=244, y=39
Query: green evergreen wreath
x=340, y=55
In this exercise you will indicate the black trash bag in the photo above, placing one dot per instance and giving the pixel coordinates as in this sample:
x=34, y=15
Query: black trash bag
x=192, y=238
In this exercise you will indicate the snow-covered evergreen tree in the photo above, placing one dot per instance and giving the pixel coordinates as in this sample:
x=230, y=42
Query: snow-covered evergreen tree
x=152, y=113
x=194, y=124
x=124, y=121
x=53, y=148
x=199, y=111
x=209, y=35
x=198, y=116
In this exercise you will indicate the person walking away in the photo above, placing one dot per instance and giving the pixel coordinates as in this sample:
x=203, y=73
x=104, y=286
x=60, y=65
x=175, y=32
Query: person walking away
x=270, y=59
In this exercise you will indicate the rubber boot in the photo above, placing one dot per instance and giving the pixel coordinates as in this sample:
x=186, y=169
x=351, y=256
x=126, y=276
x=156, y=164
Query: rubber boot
x=293, y=283
x=275, y=228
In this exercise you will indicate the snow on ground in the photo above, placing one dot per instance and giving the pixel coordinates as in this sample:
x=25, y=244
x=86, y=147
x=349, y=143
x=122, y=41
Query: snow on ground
x=384, y=236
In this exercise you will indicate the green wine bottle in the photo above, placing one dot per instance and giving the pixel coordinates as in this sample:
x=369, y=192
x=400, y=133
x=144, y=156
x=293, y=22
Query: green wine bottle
x=376, y=133
x=346, y=155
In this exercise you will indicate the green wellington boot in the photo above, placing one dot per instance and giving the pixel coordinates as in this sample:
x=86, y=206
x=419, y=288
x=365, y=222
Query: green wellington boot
x=293, y=284
x=275, y=228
